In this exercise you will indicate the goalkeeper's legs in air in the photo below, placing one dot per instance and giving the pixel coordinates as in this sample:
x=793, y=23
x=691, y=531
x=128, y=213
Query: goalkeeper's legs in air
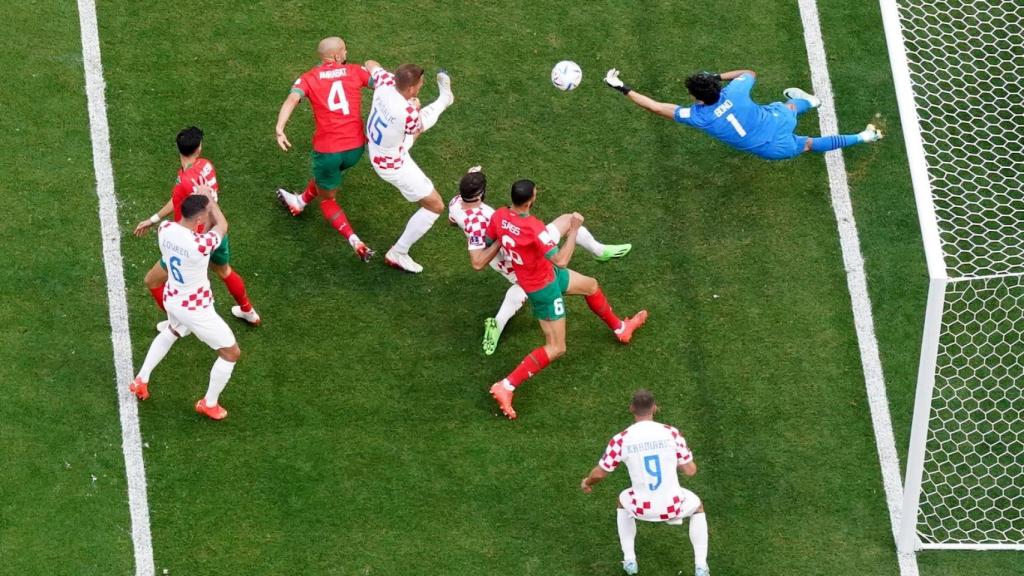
x=514, y=299
x=559, y=227
x=598, y=303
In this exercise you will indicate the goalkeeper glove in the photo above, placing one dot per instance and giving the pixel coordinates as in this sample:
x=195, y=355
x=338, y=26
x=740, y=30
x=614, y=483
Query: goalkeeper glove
x=612, y=80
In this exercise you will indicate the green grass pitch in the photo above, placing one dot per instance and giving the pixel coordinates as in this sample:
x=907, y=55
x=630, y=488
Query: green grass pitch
x=361, y=438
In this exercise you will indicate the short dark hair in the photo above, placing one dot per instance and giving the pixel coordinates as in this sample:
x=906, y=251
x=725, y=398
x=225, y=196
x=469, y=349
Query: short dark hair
x=189, y=140
x=407, y=75
x=704, y=87
x=193, y=205
x=473, y=186
x=643, y=402
x=523, y=191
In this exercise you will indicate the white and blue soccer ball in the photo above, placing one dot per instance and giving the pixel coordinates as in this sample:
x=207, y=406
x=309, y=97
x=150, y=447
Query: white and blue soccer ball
x=566, y=75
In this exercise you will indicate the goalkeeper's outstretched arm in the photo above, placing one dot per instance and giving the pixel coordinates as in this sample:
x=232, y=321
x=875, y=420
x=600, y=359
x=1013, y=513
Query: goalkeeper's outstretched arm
x=662, y=109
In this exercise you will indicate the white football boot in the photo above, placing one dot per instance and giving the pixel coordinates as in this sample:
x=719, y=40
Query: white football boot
x=798, y=94
x=293, y=202
x=251, y=316
x=402, y=261
x=870, y=134
x=444, y=85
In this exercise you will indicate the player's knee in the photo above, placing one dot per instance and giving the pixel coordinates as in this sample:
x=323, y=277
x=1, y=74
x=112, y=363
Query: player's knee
x=155, y=278
x=231, y=354
x=700, y=509
x=222, y=270
x=327, y=194
x=556, y=350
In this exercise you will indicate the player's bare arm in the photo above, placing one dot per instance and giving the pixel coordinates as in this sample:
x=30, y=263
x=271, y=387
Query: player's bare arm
x=162, y=213
x=663, y=109
x=219, y=222
x=734, y=74
x=564, y=254
x=596, y=475
x=371, y=65
x=481, y=258
x=689, y=469
x=287, y=107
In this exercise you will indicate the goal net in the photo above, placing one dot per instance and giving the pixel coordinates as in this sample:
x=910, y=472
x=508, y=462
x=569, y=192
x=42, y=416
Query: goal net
x=958, y=66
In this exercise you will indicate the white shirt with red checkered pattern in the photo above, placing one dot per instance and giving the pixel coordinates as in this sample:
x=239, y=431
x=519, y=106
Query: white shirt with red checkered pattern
x=187, y=256
x=651, y=452
x=474, y=224
x=391, y=118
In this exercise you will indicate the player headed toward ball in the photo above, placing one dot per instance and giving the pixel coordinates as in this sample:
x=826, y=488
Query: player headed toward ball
x=196, y=171
x=472, y=214
x=653, y=453
x=731, y=116
x=187, y=249
x=541, y=268
x=396, y=121
x=333, y=89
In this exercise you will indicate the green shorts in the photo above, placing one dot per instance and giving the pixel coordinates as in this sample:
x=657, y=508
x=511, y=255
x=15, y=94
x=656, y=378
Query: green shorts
x=329, y=168
x=547, y=303
x=220, y=256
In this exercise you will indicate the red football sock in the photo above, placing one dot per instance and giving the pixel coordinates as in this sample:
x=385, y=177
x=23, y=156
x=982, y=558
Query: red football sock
x=335, y=216
x=236, y=286
x=531, y=365
x=310, y=192
x=158, y=295
x=599, y=305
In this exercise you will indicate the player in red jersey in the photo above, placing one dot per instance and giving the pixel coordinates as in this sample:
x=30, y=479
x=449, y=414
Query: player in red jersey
x=196, y=171
x=542, y=270
x=333, y=90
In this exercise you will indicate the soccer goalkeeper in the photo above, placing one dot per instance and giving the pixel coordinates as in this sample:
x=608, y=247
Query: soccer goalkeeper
x=730, y=115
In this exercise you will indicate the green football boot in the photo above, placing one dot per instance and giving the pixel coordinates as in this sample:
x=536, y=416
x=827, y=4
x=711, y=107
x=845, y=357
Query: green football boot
x=614, y=251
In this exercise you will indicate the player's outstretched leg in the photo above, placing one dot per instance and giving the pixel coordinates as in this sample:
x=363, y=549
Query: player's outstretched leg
x=157, y=351
x=515, y=297
x=699, y=540
x=296, y=203
x=801, y=101
x=828, y=143
x=236, y=286
x=599, y=305
x=531, y=365
x=586, y=240
x=209, y=405
x=155, y=279
x=430, y=114
x=421, y=221
x=627, y=540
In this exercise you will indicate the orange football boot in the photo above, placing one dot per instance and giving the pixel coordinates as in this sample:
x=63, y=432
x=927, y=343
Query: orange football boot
x=213, y=412
x=139, y=388
x=504, y=399
x=630, y=325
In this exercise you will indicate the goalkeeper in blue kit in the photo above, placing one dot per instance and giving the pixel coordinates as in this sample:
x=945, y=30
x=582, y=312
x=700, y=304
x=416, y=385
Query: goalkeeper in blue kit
x=730, y=115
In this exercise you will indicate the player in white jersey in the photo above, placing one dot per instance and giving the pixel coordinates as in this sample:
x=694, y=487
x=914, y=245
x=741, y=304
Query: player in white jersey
x=469, y=212
x=652, y=453
x=395, y=122
x=189, y=300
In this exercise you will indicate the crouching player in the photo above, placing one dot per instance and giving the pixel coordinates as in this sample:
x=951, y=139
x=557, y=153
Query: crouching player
x=652, y=453
x=469, y=212
x=189, y=300
x=541, y=268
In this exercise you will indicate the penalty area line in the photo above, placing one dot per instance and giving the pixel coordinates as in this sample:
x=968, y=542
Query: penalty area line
x=131, y=437
x=856, y=281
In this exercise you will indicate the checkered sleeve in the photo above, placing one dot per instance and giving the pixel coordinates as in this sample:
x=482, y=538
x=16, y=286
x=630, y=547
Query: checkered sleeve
x=612, y=454
x=683, y=454
x=207, y=242
x=413, y=122
x=382, y=77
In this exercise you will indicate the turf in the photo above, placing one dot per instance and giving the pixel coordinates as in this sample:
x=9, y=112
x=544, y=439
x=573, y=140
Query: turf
x=361, y=439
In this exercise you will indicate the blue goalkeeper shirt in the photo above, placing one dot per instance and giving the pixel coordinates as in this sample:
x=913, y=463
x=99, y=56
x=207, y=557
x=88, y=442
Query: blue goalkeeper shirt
x=736, y=119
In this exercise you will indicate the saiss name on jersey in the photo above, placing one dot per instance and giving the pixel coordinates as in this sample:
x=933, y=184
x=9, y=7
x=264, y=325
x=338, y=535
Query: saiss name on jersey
x=527, y=244
x=473, y=223
x=187, y=255
x=200, y=171
x=334, y=95
x=735, y=119
x=651, y=451
x=391, y=118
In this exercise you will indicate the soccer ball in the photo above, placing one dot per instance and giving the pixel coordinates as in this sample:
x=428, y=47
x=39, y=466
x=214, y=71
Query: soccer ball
x=566, y=75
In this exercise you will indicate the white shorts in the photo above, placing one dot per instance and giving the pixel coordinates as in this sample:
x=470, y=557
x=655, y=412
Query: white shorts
x=207, y=325
x=673, y=511
x=409, y=179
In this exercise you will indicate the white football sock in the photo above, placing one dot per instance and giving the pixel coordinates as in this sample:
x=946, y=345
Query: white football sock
x=300, y=201
x=627, y=535
x=219, y=376
x=157, y=350
x=354, y=240
x=587, y=241
x=699, y=539
x=515, y=297
x=430, y=114
x=418, y=225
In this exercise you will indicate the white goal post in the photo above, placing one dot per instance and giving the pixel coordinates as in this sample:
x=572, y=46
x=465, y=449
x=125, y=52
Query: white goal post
x=958, y=67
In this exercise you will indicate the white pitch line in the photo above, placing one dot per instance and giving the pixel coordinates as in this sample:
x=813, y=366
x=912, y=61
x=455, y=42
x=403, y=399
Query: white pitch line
x=856, y=281
x=131, y=437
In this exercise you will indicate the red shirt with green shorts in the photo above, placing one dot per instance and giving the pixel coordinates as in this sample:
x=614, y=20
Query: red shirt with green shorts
x=199, y=172
x=334, y=95
x=527, y=244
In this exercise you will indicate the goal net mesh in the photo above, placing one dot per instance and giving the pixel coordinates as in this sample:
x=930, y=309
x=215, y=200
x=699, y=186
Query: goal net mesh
x=966, y=63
